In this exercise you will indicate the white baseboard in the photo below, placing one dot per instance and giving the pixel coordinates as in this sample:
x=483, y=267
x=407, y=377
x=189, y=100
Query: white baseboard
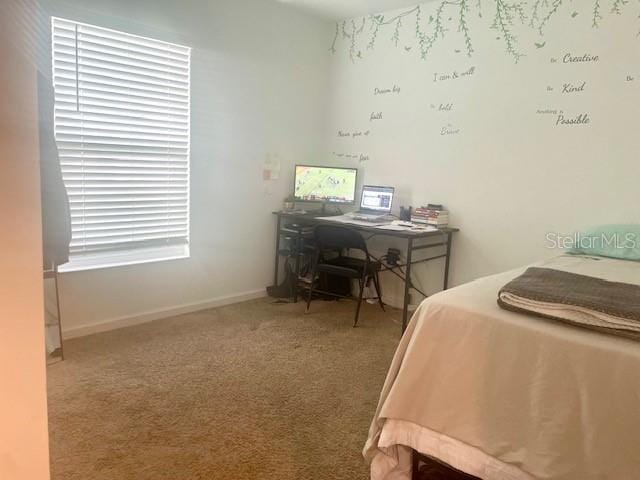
x=397, y=302
x=149, y=316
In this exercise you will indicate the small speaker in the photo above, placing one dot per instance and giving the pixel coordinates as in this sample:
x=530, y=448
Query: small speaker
x=405, y=214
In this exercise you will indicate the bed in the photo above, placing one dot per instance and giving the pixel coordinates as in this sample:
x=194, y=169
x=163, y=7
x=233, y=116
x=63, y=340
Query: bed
x=502, y=395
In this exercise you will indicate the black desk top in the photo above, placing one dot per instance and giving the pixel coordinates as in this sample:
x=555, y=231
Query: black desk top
x=313, y=218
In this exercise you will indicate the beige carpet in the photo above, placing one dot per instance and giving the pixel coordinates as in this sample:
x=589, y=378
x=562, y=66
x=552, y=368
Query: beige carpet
x=249, y=391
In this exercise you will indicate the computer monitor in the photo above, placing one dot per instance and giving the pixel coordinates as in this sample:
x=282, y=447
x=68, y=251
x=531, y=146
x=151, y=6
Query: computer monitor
x=376, y=199
x=325, y=184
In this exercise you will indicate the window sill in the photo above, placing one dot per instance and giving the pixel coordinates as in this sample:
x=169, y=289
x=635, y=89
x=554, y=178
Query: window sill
x=79, y=263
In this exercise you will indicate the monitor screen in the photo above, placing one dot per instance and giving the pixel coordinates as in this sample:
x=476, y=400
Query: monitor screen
x=325, y=184
x=377, y=198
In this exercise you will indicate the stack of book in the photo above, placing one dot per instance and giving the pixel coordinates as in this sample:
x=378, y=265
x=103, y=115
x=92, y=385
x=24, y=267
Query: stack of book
x=434, y=215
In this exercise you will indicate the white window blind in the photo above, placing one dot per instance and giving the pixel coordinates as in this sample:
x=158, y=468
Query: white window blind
x=122, y=120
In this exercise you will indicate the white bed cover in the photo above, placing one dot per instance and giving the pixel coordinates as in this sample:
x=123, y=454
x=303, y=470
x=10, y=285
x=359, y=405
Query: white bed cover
x=508, y=396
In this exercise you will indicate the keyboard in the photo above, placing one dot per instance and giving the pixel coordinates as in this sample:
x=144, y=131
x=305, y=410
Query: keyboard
x=365, y=217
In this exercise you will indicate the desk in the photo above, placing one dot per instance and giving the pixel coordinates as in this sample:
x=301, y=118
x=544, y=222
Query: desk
x=416, y=241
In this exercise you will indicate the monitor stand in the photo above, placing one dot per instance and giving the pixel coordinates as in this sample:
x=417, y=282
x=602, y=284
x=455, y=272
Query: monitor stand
x=322, y=211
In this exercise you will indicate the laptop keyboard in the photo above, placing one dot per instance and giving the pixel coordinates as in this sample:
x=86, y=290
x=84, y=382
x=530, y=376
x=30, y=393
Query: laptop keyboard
x=367, y=217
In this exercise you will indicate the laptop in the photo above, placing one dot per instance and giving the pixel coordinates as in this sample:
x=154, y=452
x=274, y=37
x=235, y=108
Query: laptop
x=375, y=203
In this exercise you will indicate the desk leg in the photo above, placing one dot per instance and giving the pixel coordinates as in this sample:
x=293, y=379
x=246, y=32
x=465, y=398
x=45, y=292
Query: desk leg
x=407, y=284
x=447, y=261
x=277, y=267
x=298, y=252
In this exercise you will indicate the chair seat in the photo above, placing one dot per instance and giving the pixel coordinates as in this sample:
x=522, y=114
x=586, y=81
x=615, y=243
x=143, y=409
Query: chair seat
x=352, y=263
x=339, y=270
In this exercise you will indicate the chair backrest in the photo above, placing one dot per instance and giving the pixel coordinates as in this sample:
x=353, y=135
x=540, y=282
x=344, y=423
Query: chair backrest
x=336, y=236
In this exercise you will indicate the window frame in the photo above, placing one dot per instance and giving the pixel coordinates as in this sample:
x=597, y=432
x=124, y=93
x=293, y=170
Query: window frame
x=141, y=254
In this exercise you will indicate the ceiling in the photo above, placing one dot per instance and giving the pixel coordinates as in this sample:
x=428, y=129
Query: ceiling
x=339, y=9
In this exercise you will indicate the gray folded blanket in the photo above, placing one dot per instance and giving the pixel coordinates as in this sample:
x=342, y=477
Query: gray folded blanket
x=588, y=302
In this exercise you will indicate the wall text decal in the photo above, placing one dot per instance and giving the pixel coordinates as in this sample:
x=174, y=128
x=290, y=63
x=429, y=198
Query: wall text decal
x=454, y=75
x=383, y=91
x=353, y=134
x=449, y=129
x=582, y=119
x=360, y=157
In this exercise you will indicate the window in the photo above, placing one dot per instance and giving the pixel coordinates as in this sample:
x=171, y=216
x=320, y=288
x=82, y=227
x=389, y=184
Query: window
x=122, y=113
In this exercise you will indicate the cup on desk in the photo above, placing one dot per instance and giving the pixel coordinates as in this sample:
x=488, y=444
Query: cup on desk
x=288, y=206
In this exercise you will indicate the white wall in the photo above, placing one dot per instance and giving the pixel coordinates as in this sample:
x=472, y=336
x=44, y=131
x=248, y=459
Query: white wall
x=258, y=87
x=264, y=82
x=511, y=174
x=24, y=451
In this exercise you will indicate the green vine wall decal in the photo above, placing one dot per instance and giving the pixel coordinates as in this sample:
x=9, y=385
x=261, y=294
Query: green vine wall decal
x=505, y=16
x=335, y=39
x=555, y=7
x=596, y=14
x=617, y=6
x=463, y=26
x=433, y=21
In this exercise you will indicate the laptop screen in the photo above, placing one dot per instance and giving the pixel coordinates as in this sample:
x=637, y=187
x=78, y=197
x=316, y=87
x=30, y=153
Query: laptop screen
x=377, y=199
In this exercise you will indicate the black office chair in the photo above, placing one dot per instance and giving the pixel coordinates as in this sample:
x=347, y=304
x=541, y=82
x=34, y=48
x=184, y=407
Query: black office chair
x=332, y=238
